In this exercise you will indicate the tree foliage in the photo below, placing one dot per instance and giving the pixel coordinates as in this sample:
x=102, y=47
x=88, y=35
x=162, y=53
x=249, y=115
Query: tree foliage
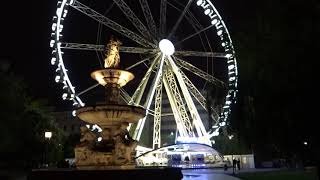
x=23, y=123
x=274, y=44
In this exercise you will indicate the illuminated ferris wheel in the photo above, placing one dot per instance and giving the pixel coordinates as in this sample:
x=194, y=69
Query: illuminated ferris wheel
x=180, y=47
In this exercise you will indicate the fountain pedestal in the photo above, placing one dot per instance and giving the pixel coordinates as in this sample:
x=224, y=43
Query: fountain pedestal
x=116, y=148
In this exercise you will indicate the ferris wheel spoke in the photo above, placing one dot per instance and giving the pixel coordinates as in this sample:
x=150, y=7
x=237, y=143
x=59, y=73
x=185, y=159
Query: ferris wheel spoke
x=194, y=34
x=163, y=18
x=140, y=62
x=137, y=95
x=124, y=95
x=189, y=16
x=150, y=95
x=138, y=50
x=199, y=72
x=88, y=89
x=198, y=124
x=97, y=47
x=78, y=46
x=111, y=24
x=202, y=54
x=198, y=96
x=148, y=16
x=134, y=19
x=180, y=18
x=181, y=117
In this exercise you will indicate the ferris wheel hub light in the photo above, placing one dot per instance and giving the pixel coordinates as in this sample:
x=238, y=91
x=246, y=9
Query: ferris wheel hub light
x=166, y=47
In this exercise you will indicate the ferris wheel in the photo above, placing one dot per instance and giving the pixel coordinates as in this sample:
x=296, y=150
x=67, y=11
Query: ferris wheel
x=180, y=47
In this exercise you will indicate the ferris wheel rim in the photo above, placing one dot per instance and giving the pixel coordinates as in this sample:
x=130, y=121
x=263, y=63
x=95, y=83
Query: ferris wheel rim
x=208, y=8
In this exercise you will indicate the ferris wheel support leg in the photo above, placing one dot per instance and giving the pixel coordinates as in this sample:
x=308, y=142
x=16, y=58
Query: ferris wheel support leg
x=136, y=98
x=138, y=130
x=156, y=142
x=201, y=131
x=178, y=107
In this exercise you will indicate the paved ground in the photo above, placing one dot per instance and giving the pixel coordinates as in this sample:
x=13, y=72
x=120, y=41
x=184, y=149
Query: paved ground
x=217, y=173
x=206, y=174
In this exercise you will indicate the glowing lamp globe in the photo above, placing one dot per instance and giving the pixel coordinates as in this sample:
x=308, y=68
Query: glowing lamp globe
x=166, y=47
x=48, y=135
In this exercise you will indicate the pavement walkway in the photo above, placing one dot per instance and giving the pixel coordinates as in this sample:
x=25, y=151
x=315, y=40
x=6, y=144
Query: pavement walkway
x=206, y=174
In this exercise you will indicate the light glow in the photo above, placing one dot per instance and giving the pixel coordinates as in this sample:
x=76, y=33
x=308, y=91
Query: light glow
x=166, y=47
x=48, y=135
x=74, y=113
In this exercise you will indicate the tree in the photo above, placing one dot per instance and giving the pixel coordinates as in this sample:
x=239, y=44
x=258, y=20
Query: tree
x=276, y=77
x=23, y=123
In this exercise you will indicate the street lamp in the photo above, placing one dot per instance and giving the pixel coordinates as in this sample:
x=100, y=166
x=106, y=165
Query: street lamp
x=48, y=136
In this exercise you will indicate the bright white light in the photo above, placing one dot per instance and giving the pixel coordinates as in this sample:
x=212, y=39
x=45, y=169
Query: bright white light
x=213, y=22
x=213, y=141
x=74, y=113
x=228, y=56
x=53, y=61
x=230, y=67
x=182, y=139
x=206, y=12
x=305, y=143
x=222, y=124
x=215, y=133
x=54, y=26
x=230, y=137
x=99, y=139
x=199, y=2
x=57, y=78
x=48, y=135
x=232, y=78
x=166, y=47
x=52, y=42
x=96, y=127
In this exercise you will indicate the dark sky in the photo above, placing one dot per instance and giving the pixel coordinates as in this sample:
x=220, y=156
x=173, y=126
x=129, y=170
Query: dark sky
x=27, y=30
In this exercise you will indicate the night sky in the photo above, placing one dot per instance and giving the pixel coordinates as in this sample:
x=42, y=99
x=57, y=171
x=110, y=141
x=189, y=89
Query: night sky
x=27, y=36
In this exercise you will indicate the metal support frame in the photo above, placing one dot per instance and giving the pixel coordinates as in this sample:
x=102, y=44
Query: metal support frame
x=96, y=47
x=201, y=54
x=201, y=131
x=140, y=125
x=133, y=19
x=163, y=18
x=156, y=143
x=181, y=117
x=111, y=24
x=148, y=16
x=199, y=72
x=136, y=98
x=180, y=19
x=199, y=97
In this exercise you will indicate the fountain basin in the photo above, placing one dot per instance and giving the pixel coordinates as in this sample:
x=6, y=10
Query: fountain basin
x=112, y=76
x=111, y=114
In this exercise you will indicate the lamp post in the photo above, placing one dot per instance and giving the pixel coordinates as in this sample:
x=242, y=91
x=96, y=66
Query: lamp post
x=47, y=136
x=232, y=160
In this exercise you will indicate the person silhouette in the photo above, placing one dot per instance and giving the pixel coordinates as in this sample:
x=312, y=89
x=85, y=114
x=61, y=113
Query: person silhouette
x=238, y=164
x=234, y=163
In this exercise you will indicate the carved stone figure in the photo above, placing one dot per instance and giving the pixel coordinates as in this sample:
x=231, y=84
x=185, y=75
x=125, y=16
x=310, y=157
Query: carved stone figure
x=124, y=144
x=88, y=138
x=112, y=59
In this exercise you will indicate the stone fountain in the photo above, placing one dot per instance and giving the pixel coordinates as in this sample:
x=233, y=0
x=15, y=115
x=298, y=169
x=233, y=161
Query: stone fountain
x=111, y=158
x=116, y=148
